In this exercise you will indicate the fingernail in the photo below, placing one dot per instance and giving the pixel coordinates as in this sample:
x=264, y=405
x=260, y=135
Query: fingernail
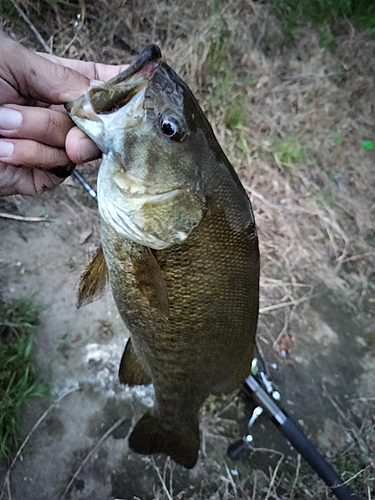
x=10, y=119
x=6, y=149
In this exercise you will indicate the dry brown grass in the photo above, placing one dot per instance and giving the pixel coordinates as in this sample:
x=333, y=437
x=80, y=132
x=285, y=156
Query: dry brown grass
x=296, y=143
x=320, y=207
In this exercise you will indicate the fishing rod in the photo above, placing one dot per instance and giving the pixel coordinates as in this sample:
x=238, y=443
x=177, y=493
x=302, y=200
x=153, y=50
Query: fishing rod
x=267, y=397
x=85, y=184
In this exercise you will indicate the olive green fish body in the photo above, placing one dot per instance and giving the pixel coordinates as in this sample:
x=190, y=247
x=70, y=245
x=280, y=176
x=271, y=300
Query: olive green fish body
x=180, y=245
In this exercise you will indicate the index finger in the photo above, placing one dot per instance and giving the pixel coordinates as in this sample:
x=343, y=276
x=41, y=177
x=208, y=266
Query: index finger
x=91, y=70
x=36, y=77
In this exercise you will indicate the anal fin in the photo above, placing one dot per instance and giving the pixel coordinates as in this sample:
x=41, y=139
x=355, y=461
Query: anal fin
x=131, y=371
x=93, y=280
x=149, y=436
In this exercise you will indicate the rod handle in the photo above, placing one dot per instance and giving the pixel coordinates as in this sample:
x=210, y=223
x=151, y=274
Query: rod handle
x=304, y=446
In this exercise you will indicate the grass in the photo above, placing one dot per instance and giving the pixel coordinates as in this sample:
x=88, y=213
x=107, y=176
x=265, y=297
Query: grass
x=286, y=150
x=359, y=12
x=18, y=381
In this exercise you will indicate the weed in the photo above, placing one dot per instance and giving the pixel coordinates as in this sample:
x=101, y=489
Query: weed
x=244, y=146
x=221, y=87
x=18, y=382
x=218, y=41
x=328, y=192
x=7, y=8
x=327, y=41
x=370, y=340
x=211, y=402
x=233, y=115
x=360, y=12
x=64, y=345
x=336, y=137
x=226, y=86
x=370, y=237
x=286, y=150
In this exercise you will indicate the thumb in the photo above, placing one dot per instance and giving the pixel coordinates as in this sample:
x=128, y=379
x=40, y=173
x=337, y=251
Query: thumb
x=36, y=77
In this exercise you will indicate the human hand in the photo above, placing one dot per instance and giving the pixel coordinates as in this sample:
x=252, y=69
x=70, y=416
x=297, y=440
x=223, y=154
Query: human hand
x=39, y=144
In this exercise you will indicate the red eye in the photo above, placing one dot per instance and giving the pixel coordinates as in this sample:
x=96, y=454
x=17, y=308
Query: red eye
x=171, y=128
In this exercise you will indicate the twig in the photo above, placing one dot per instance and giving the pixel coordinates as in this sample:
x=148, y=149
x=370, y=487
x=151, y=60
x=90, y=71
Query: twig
x=284, y=330
x=255, y=449
x=89, y=455
x=164, y=486
x=230, y=479
x=351, y=478
x=32, y=27
x=262, y=31
x=169, y=465
x=304, y=76
x=296, y=476
x=39, y=421
x=262, y=310
x=270, y=282
x=356, y=257
x=273, y=479
x=21, y=217
x=255, y=481
x=365, y=400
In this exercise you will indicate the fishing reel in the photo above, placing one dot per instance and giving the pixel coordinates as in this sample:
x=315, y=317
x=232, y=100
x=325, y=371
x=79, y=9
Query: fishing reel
x=258, y=371
x=268, y=400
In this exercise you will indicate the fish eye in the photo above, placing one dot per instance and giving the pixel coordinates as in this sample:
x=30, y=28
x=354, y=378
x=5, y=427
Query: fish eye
x=171, y=128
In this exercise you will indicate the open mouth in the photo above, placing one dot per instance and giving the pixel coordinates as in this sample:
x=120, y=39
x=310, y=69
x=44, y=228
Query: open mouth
x=108, y=97
x=118, y=103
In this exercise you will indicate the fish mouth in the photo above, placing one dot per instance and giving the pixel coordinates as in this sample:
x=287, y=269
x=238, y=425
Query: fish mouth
x=123, y=95
x=130, y=188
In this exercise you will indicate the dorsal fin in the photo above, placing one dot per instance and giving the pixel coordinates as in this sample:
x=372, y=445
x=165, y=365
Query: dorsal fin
x=131, y=372
x=93, y=280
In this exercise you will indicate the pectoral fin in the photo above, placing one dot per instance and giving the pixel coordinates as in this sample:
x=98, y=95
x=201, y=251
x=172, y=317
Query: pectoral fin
x=93, y=280
x=131, y=371
x=150, y=280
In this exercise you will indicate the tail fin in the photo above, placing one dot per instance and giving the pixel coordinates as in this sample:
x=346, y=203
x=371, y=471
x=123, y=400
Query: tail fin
x=149, y=436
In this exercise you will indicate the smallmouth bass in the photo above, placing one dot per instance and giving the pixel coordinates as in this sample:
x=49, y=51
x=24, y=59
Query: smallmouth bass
x=179, y=246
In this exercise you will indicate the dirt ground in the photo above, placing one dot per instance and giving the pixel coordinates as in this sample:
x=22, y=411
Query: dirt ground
x=80, y=352
x=305, y=112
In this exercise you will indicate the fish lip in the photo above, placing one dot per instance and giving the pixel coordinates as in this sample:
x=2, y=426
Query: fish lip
x=151, y=53
x=152, y=192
